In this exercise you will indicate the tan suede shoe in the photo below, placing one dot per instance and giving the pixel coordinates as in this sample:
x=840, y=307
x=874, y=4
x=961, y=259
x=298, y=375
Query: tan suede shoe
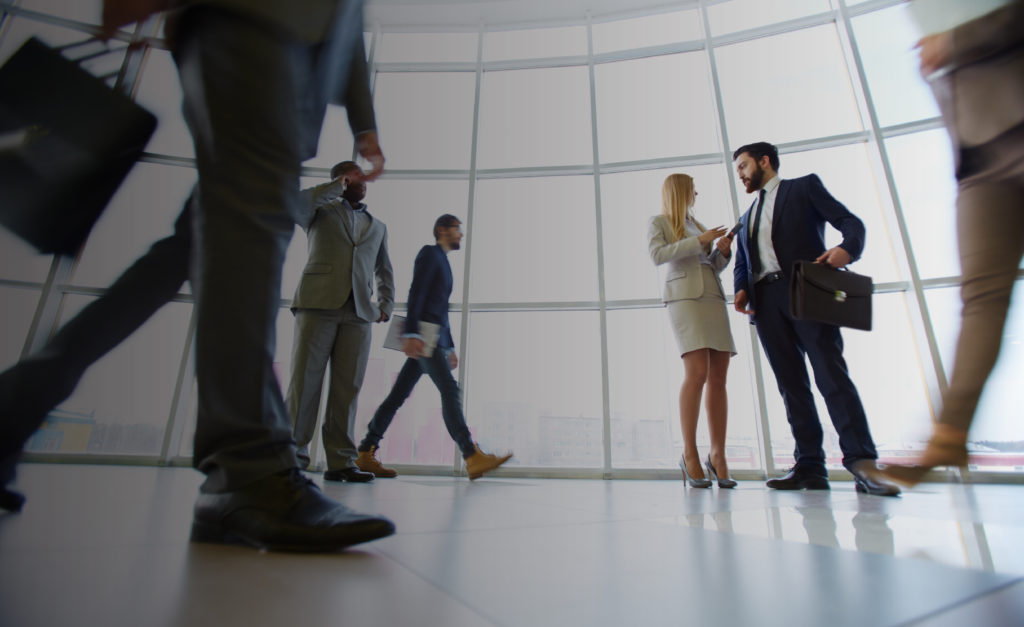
x=367, y=462
x=479, y=462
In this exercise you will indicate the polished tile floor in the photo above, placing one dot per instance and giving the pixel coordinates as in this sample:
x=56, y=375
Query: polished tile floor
x=108, y=546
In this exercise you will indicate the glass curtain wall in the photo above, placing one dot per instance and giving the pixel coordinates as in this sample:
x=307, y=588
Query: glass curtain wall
x=551, y=142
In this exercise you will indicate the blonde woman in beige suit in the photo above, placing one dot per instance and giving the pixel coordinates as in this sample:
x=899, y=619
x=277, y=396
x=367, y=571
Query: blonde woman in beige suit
x=695, y=301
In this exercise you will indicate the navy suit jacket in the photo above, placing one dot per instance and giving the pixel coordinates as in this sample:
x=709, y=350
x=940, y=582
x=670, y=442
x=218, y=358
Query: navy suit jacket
x=802, y=207
x=428, y=296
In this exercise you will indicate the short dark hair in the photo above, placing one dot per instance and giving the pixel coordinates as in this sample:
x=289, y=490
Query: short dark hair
x=444, y=221
x=758, y=150
x=344, y=166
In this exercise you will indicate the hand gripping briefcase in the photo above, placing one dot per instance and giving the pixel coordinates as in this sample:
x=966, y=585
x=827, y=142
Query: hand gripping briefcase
x=823, y=294
x=67, y=141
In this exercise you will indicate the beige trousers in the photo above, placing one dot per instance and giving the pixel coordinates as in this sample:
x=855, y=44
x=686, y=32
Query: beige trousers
x=990, y=222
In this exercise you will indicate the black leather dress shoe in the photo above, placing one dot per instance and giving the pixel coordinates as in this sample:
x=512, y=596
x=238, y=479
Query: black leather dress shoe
x=348, y=474
x=799, y=478
x=10, y=500
x=283, y=512
x=869, y=480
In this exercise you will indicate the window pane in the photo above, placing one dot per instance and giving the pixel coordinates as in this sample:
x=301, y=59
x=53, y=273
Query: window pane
x=123, y=402
x=737, y=15
x=426, y=48
x=847, y=174
x=892, y=389
x=336, y=142
x=652, y=30
x=426, y=119
x=922, y=166
x=534, y=240
x=655, y=107
x=802, y=91
x=19, y=261
x=886, y=42
x=996, y=436
x=628, y=200
x=142, y=211
x=409, y=209
x=79, y=10
x=160, y=92
x=20, y=29
x=535, y=43
x=533, y=387
x=17, y=308
x=535, y=118
x=645, y=372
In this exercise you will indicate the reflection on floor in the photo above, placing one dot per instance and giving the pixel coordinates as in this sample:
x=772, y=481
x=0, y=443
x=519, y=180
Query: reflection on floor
x=105, y=545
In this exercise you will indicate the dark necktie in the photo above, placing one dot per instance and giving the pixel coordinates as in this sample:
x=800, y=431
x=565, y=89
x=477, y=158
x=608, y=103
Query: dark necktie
x=755, y=249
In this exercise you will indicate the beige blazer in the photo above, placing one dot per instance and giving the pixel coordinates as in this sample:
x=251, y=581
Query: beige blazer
x=340, y=262
x=684, y=279
x=981, y=95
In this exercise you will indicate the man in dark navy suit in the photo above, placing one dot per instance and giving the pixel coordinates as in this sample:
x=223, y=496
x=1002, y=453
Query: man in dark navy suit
x=428, y=302
x=784, y=225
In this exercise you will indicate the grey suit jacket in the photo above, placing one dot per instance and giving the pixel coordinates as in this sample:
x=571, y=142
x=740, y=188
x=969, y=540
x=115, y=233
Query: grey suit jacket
x=684, y=279
x=982, y=94
x=341, y=263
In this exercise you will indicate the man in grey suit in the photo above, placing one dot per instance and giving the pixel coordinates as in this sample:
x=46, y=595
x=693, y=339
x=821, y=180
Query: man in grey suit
x=256, y=77
x=333, y=309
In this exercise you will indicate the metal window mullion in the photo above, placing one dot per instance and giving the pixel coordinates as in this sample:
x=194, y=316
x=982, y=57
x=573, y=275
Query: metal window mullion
x=470, y=207
x=174, y=431
x=44, y=321
x=606, y=416
x=922, y=324
x=760, y=406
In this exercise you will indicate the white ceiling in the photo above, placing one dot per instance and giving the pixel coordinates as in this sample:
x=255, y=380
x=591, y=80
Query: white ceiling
x=459, y=14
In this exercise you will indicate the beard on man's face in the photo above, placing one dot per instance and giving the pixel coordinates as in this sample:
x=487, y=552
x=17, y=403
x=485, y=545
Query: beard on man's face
x=756, y=179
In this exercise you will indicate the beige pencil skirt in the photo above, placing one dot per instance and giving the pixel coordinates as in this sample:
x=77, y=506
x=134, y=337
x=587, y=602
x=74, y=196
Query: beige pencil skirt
x=702, y=322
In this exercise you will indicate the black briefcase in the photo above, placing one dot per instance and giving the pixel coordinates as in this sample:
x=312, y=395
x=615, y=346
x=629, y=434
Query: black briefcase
x=67, y=141
x=823, y=294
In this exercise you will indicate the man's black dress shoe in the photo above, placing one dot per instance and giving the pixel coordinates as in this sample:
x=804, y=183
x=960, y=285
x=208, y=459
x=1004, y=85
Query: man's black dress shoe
x=800, y=478
x=283, y=512
x=348, y=474
x=11, y=500
x=869, y=480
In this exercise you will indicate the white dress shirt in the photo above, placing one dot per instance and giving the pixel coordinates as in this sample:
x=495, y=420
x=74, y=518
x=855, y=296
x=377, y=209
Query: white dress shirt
x=769, y=261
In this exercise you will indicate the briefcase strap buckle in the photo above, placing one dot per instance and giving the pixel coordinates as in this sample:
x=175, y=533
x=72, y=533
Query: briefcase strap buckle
x=839, y=296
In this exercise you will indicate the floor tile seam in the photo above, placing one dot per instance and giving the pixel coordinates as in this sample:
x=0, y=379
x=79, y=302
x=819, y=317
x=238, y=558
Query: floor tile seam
x=434, y=585
x=977, y=597
x=513, y=527
x=90, y=548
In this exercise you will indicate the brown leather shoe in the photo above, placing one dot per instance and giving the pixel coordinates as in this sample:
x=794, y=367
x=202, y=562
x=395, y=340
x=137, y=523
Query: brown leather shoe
x=367, y=462
x=479, y=462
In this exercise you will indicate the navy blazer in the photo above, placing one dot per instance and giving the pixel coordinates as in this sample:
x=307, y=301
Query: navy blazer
x=802, y=207
x=429, y=293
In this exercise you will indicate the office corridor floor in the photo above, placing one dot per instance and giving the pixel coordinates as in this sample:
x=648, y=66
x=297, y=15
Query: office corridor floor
x=108, y=545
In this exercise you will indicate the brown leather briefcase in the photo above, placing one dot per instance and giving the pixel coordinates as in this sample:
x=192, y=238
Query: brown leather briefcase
x=823, y=294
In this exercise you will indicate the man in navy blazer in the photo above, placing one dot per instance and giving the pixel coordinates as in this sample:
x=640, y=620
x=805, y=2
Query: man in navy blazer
x=428, y=302
x=784, y=225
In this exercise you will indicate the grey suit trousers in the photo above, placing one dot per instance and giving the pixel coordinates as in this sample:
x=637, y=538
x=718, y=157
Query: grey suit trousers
x=343, y=338
x=251, y=101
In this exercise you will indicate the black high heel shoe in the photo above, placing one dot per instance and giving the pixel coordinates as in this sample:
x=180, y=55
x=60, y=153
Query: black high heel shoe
x=723, y=482
x=693, y=483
